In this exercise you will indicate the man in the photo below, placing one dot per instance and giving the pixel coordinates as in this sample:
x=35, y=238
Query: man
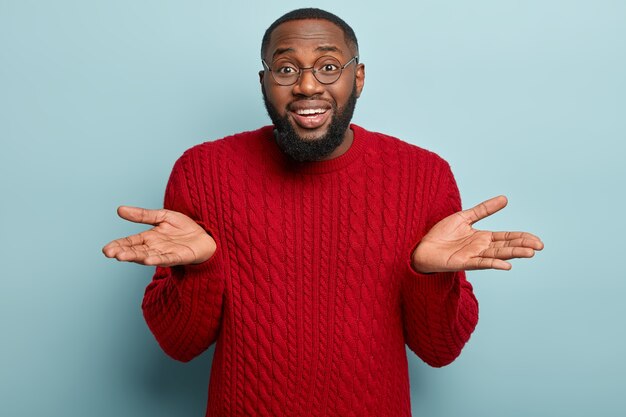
x=313, y=250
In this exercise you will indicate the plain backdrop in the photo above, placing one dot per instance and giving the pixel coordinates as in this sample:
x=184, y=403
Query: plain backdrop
x=524, y=98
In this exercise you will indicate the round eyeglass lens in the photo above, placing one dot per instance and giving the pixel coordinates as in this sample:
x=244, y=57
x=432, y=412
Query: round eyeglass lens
x=327, y=70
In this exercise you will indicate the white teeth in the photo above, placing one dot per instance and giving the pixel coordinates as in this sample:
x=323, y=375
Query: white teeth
x=310, y=111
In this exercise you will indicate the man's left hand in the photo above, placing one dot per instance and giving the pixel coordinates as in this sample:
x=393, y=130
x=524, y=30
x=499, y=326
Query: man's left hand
x=454, y=245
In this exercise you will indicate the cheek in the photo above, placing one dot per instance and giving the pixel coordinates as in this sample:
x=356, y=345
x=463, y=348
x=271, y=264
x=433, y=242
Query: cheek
x=279, y=97
x=342, y=93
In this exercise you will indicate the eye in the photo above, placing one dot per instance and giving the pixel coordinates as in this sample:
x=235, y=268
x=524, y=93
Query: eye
x=328, y=67
x=285, y=69
x=327, y=64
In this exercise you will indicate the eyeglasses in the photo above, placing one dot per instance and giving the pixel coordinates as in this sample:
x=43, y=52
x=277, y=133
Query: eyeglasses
x=326, y=70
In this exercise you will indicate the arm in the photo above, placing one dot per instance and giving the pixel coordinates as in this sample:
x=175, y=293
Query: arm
x=183, y=304
x=439, y=309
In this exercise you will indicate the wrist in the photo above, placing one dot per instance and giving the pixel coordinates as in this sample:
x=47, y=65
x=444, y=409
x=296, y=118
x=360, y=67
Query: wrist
x=419, y=263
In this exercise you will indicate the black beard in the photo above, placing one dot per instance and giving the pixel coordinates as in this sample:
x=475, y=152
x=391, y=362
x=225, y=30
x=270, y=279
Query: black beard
x=302, y=149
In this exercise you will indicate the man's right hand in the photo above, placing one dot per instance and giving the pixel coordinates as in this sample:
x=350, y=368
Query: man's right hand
x=175, y=239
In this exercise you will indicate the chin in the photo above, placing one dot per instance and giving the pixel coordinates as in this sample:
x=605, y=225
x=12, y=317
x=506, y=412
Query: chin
x=311, y=135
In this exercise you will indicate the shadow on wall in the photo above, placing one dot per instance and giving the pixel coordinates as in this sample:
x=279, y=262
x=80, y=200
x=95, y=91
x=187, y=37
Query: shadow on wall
x=150, y=382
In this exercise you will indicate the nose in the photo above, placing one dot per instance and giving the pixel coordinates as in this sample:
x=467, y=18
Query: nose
x=307, y=84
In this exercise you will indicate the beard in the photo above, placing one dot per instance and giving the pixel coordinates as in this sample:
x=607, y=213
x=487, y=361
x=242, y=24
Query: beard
x=303, y=149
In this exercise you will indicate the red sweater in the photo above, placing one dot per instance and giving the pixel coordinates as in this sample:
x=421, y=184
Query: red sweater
x=310, y=295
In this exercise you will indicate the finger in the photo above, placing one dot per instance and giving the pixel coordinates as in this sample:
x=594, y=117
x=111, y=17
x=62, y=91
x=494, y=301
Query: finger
x=132, y=254
x=111, y=249
x=508, y=253
x=146, y=255
x=520, y=243
x=486, y=263
x=121, y=244
x=142, y=215
x=143, y=255
x=522, y=239
x=485, y=209
x=164, y=259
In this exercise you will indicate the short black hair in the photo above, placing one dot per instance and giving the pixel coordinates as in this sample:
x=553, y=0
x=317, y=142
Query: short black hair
x=311, y=13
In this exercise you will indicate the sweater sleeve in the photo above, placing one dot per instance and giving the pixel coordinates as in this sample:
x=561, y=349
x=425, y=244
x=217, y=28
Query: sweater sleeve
x=182, y=305
x=439, y=310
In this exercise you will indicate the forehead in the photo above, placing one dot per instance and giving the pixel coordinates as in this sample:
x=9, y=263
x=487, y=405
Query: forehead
x=306, y=36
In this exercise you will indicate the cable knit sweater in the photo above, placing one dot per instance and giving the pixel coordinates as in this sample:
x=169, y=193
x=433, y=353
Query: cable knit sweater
x=310, y=295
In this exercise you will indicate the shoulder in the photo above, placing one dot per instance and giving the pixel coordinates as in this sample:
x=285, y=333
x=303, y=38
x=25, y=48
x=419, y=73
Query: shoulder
x=203, y=167
x=228, y=152
x=398, y=149
x=234, y=145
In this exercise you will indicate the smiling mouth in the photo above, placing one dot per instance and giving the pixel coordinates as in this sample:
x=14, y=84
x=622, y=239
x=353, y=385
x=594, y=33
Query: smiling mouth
x=310, y=112
x=310, y=118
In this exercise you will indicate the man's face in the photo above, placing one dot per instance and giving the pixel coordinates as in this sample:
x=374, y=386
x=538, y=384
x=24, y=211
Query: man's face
x=312, y=119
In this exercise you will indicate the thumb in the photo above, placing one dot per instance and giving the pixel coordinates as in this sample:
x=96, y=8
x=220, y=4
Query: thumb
x=142, y=215
x=486, y=208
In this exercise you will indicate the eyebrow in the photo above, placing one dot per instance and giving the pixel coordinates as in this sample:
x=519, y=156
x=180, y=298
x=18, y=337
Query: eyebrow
x=328, y=48
x=281, y=51
x=323, y=48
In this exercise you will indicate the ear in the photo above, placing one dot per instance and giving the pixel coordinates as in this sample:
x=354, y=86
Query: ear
x=261, y=76
x=360, y=79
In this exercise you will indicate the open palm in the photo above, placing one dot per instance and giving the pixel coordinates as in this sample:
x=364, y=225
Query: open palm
x=175, y=240
x=454, y=245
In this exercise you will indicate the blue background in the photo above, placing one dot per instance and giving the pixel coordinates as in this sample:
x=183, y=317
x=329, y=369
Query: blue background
x=98, y=99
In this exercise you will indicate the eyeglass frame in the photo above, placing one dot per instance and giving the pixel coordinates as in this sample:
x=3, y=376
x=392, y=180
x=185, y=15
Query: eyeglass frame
x=313, y=70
